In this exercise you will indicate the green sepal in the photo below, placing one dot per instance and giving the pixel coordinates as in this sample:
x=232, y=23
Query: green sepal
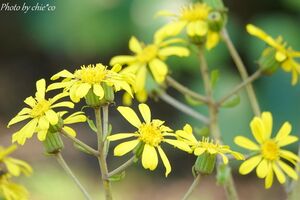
x=267, y=61
x=57, y=127
x=223, y=173
x=205, y=163
x=138, y=151
x=53, y=143
x=232, y=102
x=94, y=101
x=117, y=177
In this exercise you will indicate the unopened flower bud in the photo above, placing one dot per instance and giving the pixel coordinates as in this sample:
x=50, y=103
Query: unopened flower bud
x=267, y=61
x=53, y=143
x=205, y=163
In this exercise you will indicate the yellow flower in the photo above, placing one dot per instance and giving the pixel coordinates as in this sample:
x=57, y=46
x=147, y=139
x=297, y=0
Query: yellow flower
x=193, y=18
x=149, y=59
x=14, y=166
x=269, y=153
x=284, y=55
x=10, y=190
x=206, y=145
x=90, y=78
x=40, y=112
x=150, y=134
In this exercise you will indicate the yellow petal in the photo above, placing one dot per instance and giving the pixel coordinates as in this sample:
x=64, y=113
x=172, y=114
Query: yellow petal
x=288, y=155
x=164, y=13
x=199, y=150
x=224, y=158
x=165, y=160
x=141, y=78
x=258, y=129
x=279, y=174
x=245, y=143
x=67, y=104
x=255, y=31
x=83, y=89
x=149, y=157
x=141, y=96
x=41, y=89
x=121, y=60
x=269, y=179
x=64, y=74
x=75, y=118
x=30, y=101
x=130, y=116
x=179, y=144
x=59, y=96
x=283, y=132
x=175, y=50
x=268, y=124
x=25, y=132
x=17, y=119
x=201, y=28
x=247, y=166
x=159, y=70
x=51, y=117
x=288, y=170
x=212, y=40
x=120, y=136
x=171, y=29
x=280, y=56
x=125, y=147
x=145, y=111
x=43, y=124
x=98, y=90
x=126, y=99
x=262, y=168
x=190, y=29
x=70, y=131
x=134, y=45
x=42, y=135
x=287, y=140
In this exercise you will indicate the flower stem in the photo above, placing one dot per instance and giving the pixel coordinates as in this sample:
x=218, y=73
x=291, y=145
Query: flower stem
x=86, y=147
x=185, y=91
x=242, y=70
x=182, y=107
x=249, y=80
x=67, y=169
x=192, y=187
x=105, y=130
x=101, y=157
x=122, y=167
x=213, y=126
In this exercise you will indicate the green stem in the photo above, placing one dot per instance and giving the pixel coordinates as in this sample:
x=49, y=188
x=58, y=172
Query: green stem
x=213, y=126
x=185, y=91
x=105, y=129
x=249, y=80
x=192, y=187
x=101, y=157
x=122, y=167
x=182, y=107
x=242, y=70
x=67, y=169
x=86, y=147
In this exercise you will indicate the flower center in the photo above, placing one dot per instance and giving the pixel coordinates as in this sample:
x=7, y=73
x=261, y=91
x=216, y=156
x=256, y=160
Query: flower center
x=270, y=150
x=91, y=74
x=150, y=134
x=198, y=11
x=40, y=108
x=148, y=53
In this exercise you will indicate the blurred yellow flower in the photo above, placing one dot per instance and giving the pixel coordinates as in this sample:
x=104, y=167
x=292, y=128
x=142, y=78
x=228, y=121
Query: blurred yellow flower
x=91, y=78
x=150, y=135
x=206, y=145
x=40, y=112
x=284, y=55
x=14, y=166
x=10, y=190
x=269, y=153
x=149, y=59
x=194, y=19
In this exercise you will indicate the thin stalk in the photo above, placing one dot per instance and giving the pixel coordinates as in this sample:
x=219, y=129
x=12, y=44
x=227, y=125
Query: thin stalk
x=249, y=80
x=242, y=70
x=192, y=187
x=213, y=126
x=182, y=107
x=86, y=147
x=67, y=169
x=122, y=167
x=185, y=91
x=105, y=129
x=101, y=157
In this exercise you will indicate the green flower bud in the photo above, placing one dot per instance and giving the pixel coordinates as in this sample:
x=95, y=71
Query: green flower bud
x=215, y=21
x=198, y=40
x=53, y=143
x=57, y=127
x=267, y=61
x=205, y=163
x=93, y=100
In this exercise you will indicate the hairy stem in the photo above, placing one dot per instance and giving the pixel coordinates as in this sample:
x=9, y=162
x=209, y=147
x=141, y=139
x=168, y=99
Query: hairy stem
x=122, y=167
x=182, y=107
x=101, y=157
x=243, y=72
x=192, y=187
x=67, y=169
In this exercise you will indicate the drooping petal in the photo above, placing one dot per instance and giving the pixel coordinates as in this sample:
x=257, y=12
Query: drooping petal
x=70, y=131
x=290, y=156
x=199, y=150
x=98, y=90
x=288, y=170
x=175, y=50
x=284, y=131
x=125, y=147
x=42, y=135
x=67, y=104
x=262, y=168
x=179, y=144
x=25, y=132
x=141, y=79
x=245, y=143
x=43, y=124
x=159, y=70
x=75, y=118
x=224, y=158
x=212, y=40
x=120, y=136
x=130, y=116
x=247, y=166
x=83, y=89
x=145, y=111
x=51, y=117
x=201, y=28
x=279, y=174
x=149, y=157
x=269, y=179
x=165, y=160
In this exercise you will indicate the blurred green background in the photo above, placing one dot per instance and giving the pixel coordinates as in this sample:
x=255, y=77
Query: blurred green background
x=38, y=44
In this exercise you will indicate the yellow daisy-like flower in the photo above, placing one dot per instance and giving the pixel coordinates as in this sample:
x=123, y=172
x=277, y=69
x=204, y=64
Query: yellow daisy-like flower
x=10, y=190
x=284, y=55
x=91, y=78
x=40, y=112
x=193, y=18
x=206, y=145
x=269, y=153
x=14, y=166
x=150, y=134
x=149, y=59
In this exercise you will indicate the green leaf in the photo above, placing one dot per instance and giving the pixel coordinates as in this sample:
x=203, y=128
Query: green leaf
x=232, y=102
x=117, y=177
x=80, y=148
x=192, y=101
x=214, y=77
x=92, y=125
x=223, y=173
